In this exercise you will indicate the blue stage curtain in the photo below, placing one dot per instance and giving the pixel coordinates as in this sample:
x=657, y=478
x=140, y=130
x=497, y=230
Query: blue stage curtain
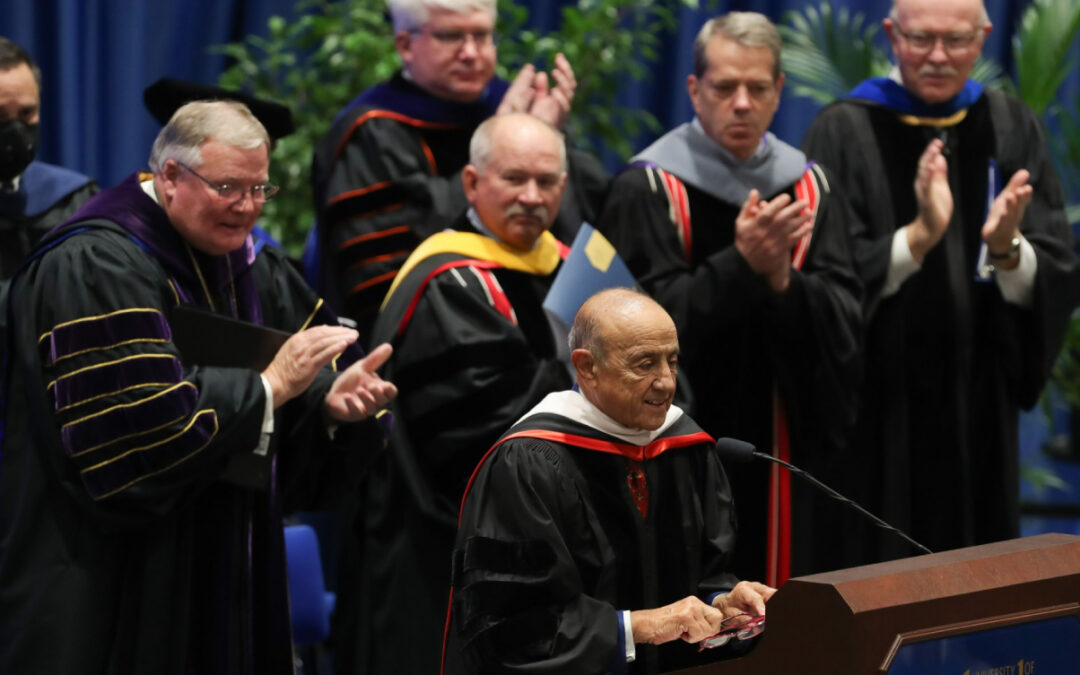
x=98, y=55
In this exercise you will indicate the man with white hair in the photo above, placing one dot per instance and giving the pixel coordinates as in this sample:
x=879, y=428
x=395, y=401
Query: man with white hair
x=472, y=352
x=962, y=243
x=143, y=473
x=388, y=174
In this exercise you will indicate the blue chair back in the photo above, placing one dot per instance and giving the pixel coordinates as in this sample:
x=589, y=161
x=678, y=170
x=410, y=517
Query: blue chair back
x=310, y=603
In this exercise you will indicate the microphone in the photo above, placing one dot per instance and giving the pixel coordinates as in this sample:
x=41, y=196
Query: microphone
x=742, y=452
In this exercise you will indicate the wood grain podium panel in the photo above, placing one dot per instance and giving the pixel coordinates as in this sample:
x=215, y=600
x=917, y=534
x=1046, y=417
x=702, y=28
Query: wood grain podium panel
x=853, y=621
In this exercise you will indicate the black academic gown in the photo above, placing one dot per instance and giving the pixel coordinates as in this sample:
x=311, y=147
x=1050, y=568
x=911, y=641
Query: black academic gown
x=388, y=175
x=123, y=548
x=949, y=362
x=47, y=196
x=552, y=545
x=473, y=351
x=742, y=345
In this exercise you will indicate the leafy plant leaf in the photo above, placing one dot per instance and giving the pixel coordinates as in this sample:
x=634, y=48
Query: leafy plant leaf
x=333, y=50
x=828, y=52
x=1042, y=479
x=1041, y=48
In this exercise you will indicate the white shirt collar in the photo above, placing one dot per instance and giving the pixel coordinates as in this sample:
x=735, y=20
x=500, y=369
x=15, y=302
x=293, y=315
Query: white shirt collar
x=574, y=406
x=12, y=185
x=148, y=187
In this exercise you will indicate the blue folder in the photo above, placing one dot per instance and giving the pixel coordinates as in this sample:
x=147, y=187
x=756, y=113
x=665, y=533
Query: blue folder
x=592, y=266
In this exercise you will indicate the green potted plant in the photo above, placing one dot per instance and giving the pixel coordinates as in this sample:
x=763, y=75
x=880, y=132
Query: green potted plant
x=331, y=51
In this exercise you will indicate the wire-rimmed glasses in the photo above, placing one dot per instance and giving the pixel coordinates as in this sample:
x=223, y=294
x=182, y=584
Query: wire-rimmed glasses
x=234, y=193
x=738, y=627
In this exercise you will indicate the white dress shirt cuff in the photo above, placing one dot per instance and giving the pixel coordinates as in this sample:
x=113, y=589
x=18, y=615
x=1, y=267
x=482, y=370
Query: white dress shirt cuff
x=1018, y=285
x=268, y=419
x=901, y=263
x=628, y=637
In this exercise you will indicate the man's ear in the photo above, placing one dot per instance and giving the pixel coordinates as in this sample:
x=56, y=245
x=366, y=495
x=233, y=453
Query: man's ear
x=693, y=86
x=403, y=45
x=890, y=32
x=584, y=365
x=170, y=173
x=469, y=178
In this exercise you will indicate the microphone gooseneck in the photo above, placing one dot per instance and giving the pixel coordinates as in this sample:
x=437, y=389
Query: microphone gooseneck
x=735, y=450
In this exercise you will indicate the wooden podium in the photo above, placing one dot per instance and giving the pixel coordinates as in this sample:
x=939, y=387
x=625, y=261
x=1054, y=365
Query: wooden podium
x=853, y=621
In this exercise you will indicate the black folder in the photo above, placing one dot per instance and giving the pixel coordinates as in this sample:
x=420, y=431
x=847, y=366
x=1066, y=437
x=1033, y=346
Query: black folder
x=208, y=339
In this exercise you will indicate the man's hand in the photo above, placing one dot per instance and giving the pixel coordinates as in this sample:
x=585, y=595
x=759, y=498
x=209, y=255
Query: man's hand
x=358, y=393
x=519, y=95
x=689, y=619
x=1003, y=221
x=748, y=597
x=302, y=356
x=531, y=92
x=935, y=201
x=766, y=232
x=552, y=103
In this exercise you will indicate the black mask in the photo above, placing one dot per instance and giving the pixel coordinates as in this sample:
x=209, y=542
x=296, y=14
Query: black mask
x=18, y=142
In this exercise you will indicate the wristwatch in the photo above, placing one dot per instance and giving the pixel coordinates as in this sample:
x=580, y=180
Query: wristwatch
x=1014, y=248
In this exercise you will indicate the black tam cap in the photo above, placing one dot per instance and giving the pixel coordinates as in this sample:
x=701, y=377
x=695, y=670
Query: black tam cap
x=164, y=97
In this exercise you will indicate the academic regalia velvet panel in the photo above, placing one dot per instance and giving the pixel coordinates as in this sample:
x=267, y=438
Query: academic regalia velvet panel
x=741, y=343
x=949, y=361
x=388, y=175
x=473, y=351
x=122, y=549
x=552, y=544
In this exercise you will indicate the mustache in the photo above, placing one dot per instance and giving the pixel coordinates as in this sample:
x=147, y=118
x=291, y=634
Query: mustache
x=539, y=212
x=937, y=71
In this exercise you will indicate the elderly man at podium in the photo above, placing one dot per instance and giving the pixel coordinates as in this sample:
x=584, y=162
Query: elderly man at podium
x=596, y=534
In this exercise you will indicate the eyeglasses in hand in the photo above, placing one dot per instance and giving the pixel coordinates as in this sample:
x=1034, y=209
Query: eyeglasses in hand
x=738, y=627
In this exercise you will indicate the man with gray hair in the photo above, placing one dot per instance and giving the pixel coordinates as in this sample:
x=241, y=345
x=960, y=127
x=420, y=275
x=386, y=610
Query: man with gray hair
x=964, y=249
x=388, y=174
x=472, y=352
x=744, y=244
x=158, y=417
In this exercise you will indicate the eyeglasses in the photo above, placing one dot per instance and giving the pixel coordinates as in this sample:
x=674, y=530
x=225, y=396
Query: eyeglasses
x=455, y=39
x=922, y=42
x=234, y=193
x=747, y=627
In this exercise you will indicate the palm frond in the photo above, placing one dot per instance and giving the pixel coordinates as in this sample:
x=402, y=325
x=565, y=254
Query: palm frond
x=1072, y=212
x=827, y=52
x=1066, y=372
x=1041, y=47
x=990, y=74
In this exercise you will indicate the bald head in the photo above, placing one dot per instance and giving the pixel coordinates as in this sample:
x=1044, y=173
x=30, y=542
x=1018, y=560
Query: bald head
x=514, y=129
x=625, y=351
x=589, y=323
x=977, y=6
x=515, y=177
